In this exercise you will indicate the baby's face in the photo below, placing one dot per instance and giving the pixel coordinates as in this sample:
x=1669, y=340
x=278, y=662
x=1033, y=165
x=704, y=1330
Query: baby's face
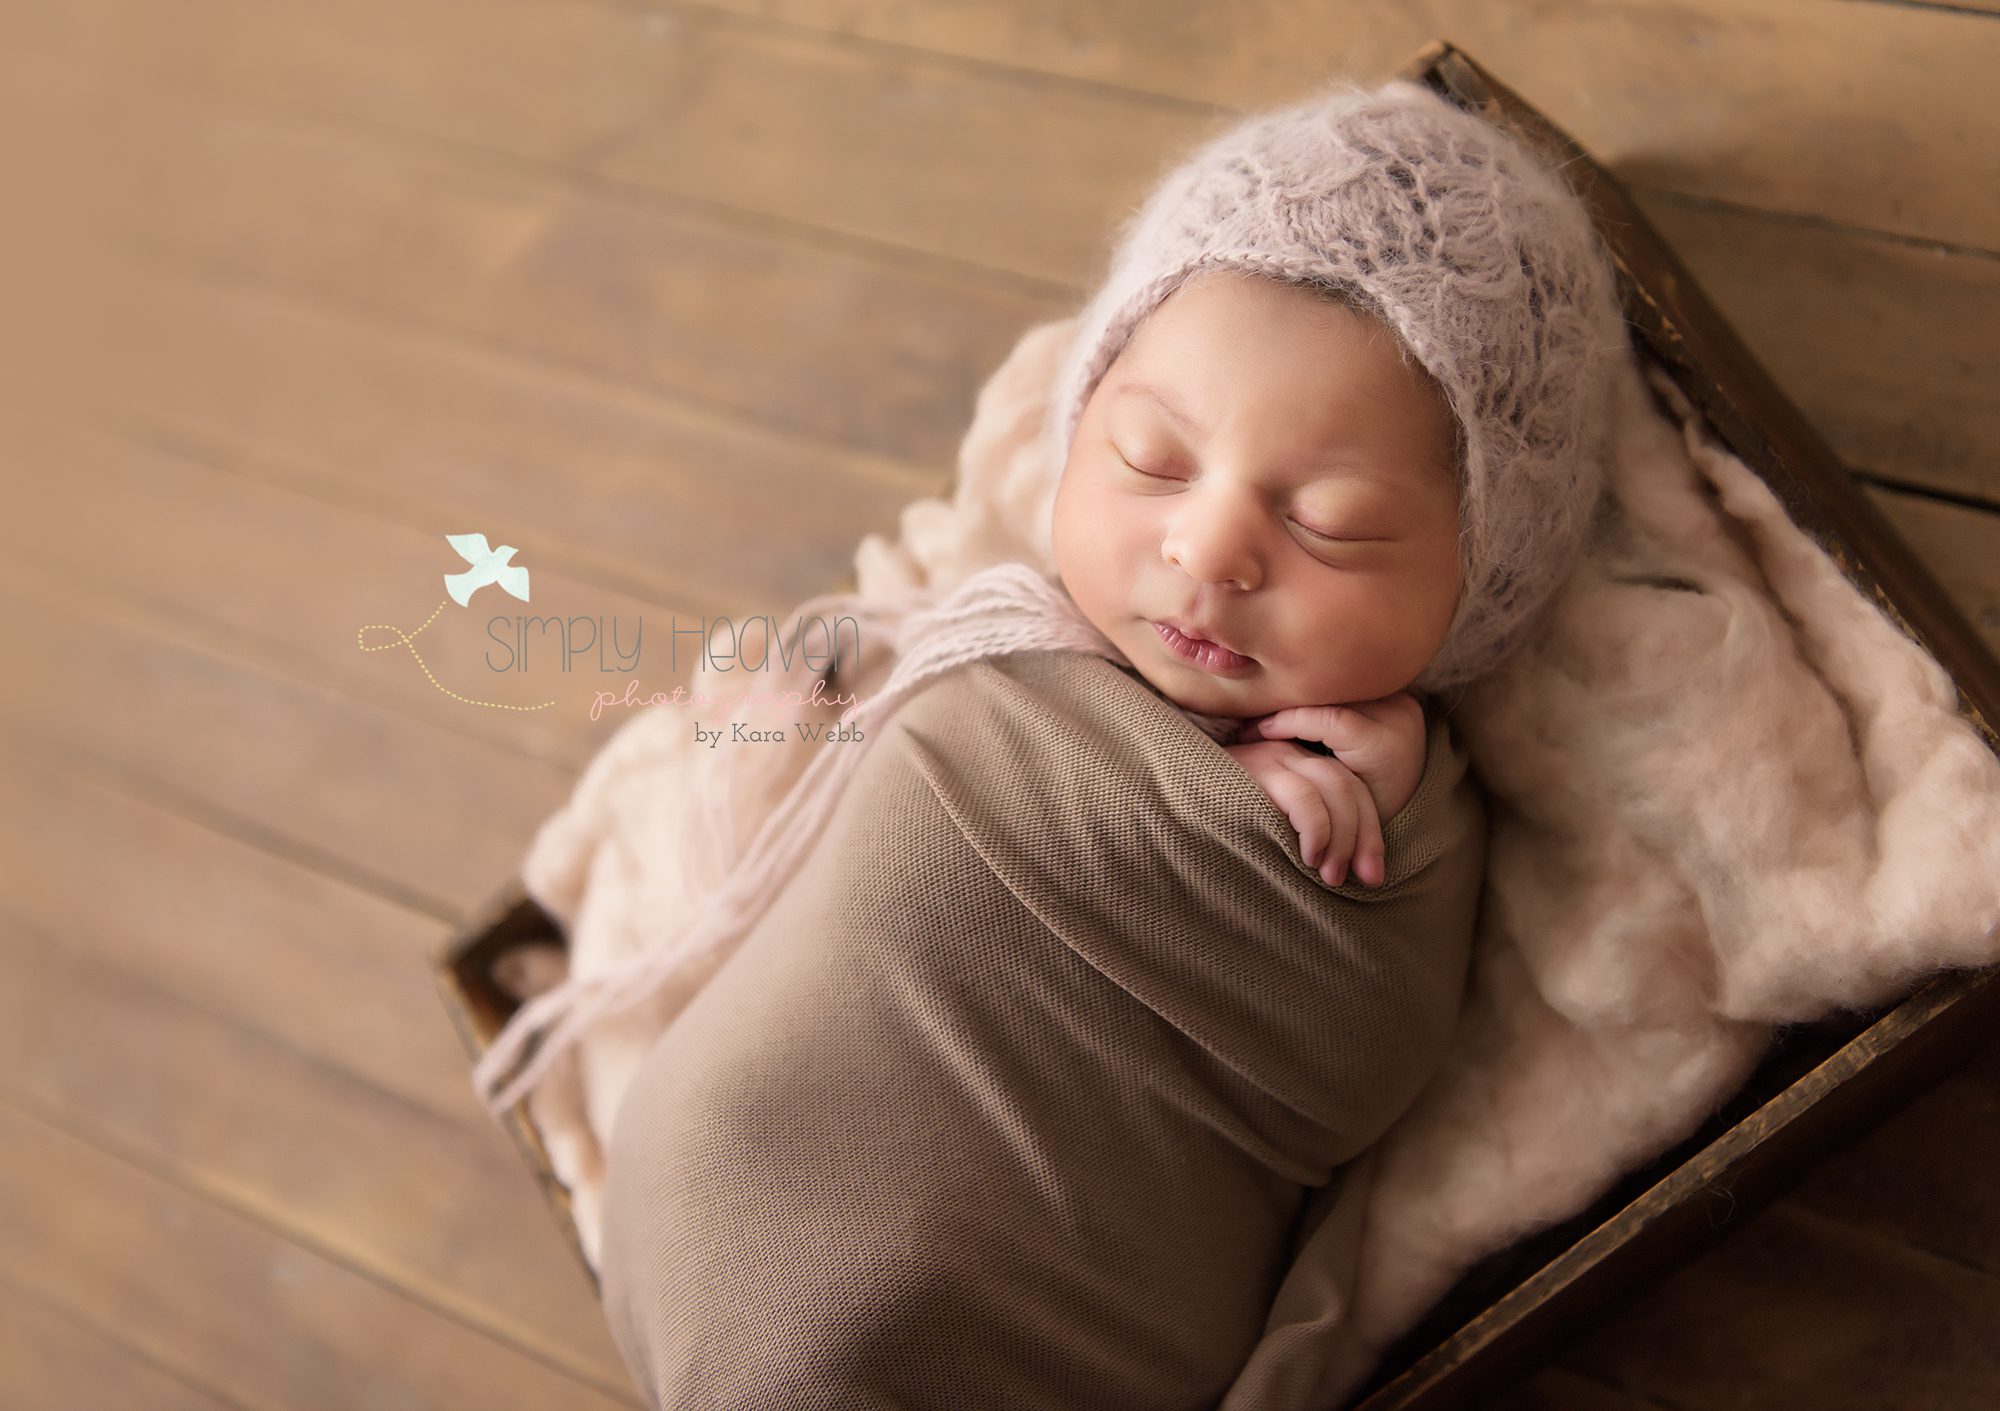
x=1301, y=513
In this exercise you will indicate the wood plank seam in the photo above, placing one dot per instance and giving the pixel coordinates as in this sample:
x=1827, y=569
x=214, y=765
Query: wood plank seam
x=154, y=1171
x=110, y=1334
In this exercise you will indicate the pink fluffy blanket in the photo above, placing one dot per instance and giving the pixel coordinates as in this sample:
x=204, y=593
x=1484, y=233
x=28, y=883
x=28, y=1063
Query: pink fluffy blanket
x=1727, y=793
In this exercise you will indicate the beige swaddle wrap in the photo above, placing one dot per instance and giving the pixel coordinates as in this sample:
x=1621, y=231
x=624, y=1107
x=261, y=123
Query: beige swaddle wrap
x=1728, y=793
x=1017, y=1094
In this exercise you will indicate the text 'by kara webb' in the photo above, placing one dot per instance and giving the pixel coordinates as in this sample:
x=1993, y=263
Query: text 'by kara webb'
x=719, y=644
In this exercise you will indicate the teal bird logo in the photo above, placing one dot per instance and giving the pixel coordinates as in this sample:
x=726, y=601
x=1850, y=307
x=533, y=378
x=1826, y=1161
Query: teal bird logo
x=488, y=566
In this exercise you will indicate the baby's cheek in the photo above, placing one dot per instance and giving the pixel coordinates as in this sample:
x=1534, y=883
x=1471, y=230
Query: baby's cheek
x=1081, y=504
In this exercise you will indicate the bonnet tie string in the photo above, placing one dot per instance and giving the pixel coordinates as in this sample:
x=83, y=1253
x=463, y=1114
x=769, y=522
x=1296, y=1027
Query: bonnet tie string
x=1009, y=607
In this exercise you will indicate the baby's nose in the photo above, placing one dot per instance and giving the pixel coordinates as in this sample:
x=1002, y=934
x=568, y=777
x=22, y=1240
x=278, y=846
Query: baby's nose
x=1215, y=544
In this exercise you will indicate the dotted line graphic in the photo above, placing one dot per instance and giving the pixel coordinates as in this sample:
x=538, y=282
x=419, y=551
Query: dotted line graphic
x=408, y=639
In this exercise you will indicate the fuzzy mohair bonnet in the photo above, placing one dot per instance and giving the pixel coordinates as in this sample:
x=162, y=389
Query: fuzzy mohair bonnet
x=1480, y=258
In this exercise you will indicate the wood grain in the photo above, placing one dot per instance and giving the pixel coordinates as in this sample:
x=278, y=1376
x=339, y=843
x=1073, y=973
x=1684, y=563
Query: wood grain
x=392, y=795
x=307, y=960
x=1796, y=1310
x=49, y=1358
x=1885, y=359
x=216, y=1299
x=326, y=1161
x=1846, y=112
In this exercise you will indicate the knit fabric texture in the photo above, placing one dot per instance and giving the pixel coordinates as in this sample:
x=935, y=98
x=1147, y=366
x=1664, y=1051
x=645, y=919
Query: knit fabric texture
x=1477, y=255
x=951, y=1130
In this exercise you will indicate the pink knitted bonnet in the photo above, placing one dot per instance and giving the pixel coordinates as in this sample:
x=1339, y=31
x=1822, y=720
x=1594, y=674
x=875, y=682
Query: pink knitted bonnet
x=1478, y=256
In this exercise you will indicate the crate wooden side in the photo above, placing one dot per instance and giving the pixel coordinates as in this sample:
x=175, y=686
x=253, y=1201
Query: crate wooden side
x=463, y=970
x=1822, y=1086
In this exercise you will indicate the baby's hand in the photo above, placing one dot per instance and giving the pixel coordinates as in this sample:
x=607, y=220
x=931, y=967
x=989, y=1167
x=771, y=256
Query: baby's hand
x=1338, y=804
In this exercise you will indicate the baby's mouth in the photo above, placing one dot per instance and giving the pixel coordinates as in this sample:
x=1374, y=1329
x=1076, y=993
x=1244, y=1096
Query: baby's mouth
x=1197, y=651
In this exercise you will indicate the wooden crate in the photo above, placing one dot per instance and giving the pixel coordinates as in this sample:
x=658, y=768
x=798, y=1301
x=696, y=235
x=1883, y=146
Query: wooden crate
x=1821, y=1086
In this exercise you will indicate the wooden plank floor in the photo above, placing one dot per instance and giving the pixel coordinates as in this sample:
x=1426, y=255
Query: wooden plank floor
x=684, y=299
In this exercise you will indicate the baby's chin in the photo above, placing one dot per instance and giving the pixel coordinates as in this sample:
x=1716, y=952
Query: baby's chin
x=1241, y=698
x=1257, y=694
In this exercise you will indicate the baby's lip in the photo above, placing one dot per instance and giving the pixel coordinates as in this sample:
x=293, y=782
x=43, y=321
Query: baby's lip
x=1189, y=627
x=1202, y=653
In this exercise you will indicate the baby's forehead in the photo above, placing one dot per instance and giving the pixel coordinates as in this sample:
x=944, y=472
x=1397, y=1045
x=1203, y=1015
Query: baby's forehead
x=1299, y=398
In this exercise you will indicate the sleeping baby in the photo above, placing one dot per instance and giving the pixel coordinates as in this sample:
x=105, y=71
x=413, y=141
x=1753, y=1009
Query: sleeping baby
x=1035, y=1082
x=1260, y=508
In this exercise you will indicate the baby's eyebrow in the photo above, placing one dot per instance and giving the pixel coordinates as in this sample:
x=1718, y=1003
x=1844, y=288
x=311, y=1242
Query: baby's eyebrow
x=1170, y=403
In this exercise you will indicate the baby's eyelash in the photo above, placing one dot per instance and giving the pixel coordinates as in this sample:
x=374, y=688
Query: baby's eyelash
x=1316, y=533
x=1150, y=475
x=1344, y=538
x=1330, y=538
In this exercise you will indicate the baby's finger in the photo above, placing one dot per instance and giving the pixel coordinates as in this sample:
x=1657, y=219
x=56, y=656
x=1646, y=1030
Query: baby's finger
x=1369, y=852
x=1362, y=852
x=1386, y=709
x=1342, y=729
x=1331, y=783
x=1300, y=800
